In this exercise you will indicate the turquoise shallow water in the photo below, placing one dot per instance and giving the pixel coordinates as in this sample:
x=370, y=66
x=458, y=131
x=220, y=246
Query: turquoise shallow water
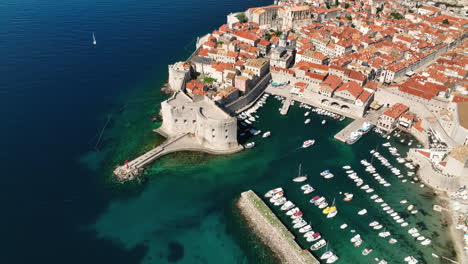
x=187, y=199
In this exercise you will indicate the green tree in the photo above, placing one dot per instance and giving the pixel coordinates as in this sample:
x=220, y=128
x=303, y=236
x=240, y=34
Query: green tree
x=209, y=80
x=242, y=17
x=396, y=15
x=349, y=17
x=353, y=26
x=445, y=21
x=346, y=6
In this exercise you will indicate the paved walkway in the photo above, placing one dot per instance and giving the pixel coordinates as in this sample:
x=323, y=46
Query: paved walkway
x=183, y=142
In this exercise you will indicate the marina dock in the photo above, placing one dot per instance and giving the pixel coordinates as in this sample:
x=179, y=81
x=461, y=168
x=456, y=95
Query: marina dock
x=356, y=124
x=286, y=105
x=272, y=231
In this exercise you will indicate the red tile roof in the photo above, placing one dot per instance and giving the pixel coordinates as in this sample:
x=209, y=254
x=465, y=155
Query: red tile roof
x=396, y=110
x=352, y=87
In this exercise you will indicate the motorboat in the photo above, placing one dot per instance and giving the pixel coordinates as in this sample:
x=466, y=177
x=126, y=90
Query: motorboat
x=287, y=206
x=318, y=245
x=392, y=241
x=326, y=255
x=405, y=224
x=373, y=223
x=300, y=224
x=348, y=197
x=403, y=201
x=319, y=201
x=323, y=205
x=293, y=211
x=305, y=229
x=272, y=192
x=410, y=207
x=266, y=134
x=306, y=113
x=362, y=212
x=384, y=234
x=323, y=122
x=420, y=238
x=367, y=251
x=297, y=215
x=346, y=167
x=314, y=237
x=411, y=260
x=332, y=214
x=343, y=226
x=373, y=197
x=308, y=143
x=332, y=259
x=307, y=121
x=378, y=227
x=370, y=190
x=426, y=242
x=413, y=230
x=314, y=199
x=280, y=201
x=355, y=238
x=249, y=145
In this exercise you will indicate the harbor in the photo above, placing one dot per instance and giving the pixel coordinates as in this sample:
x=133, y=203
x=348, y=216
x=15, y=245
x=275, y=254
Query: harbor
x=272, y=231
x=382, y=176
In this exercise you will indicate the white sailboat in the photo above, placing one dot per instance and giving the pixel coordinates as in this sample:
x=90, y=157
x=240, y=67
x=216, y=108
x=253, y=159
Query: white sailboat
x=94, y=39
x=300, y=178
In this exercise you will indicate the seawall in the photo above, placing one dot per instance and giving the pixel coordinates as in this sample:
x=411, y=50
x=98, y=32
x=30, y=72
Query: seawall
x=271, y=231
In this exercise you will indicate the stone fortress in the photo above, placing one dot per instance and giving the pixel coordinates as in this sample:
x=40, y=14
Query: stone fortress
x=210, y=126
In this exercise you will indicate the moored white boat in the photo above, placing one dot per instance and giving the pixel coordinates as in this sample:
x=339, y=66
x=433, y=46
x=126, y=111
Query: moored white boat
x=270, y=193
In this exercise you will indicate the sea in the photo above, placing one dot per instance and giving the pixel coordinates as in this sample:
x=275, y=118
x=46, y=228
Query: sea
x=71, y=111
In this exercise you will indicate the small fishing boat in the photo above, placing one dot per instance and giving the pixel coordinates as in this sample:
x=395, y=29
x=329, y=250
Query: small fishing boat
x=308, y=143
x=426, y=242
x=378, y=227
x=266, y=134
x=249, y=145
x=384, y=234
x=362, y=212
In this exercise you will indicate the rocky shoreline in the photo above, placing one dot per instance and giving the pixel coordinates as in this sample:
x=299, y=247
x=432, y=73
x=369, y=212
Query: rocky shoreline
x=271, y=231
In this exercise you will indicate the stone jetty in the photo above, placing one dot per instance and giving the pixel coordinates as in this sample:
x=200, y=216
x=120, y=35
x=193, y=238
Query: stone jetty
x=272, y=232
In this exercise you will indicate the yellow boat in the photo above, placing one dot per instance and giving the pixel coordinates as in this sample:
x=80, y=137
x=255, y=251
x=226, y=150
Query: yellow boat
x=329, y=209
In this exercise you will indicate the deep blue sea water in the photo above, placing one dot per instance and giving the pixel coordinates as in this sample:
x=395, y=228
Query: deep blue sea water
x=57, y=93
x=56, y=90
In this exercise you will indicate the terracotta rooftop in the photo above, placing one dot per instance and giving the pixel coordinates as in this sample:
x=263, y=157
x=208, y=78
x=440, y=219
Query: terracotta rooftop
x=396, y=110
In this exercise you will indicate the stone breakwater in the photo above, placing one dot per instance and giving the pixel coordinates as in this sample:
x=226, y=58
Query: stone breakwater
x=271, y=231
